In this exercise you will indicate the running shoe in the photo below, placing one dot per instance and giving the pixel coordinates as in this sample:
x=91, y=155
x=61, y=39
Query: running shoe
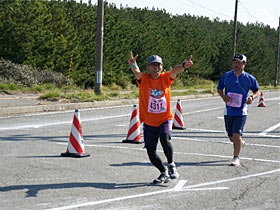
x=163, y=178
x=235, y=161
x=172, y=171
x=243, y=143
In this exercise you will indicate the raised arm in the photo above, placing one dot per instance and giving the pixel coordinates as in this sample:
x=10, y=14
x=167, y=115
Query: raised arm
x=134, y=67
x=179, y=68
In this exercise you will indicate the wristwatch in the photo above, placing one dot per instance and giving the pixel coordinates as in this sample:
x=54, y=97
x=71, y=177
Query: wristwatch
x=252, y=97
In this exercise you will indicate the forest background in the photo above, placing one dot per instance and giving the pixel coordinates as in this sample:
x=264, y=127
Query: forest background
x=60, y=36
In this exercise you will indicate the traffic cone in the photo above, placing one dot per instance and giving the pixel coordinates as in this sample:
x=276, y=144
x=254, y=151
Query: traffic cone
x=261, y=102
x=76, y=142
x=178, y=122
x=134, y=135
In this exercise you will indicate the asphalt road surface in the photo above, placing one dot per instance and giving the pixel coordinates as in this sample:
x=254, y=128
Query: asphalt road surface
x=118, y=175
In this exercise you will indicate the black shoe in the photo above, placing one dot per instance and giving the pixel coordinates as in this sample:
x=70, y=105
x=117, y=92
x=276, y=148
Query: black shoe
x=163, y=178
x=172, y=171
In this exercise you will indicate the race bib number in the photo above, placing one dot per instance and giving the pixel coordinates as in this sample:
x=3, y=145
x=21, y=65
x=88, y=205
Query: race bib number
x=157, y=105
x=235, y=99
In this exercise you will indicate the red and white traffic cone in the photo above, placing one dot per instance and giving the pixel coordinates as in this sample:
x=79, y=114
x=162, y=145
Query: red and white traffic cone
x=261, y=102
x=76, y=142
x=178, y=122
x=134, y=134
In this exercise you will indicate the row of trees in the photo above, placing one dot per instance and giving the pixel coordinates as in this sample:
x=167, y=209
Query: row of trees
x=61, y=36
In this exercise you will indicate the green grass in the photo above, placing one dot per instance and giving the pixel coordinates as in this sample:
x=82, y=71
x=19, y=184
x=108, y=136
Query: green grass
x=11, y=86
x=113, y=92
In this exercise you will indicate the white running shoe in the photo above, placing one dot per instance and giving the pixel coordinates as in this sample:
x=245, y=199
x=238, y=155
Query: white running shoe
x=235, y=161
x=243, y=143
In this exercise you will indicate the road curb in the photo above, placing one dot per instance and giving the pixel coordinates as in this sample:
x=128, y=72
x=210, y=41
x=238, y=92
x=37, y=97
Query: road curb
x=84, y=105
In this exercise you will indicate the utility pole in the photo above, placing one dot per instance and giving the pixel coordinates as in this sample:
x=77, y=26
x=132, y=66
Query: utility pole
x=99, y=47
x=277, y=57
x=234, y=30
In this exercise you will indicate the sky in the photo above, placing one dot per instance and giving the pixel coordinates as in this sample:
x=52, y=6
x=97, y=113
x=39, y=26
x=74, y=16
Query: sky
x=252, y=11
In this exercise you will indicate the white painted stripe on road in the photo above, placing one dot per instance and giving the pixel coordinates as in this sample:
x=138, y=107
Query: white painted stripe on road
x=228, y=157
x=204, y=189
x=272, y=99
x=220, y=131
x=63, y=112
x=182, y=153
x=269, y=129
x=203, y=110
x=187, y=188
x=93, y=203
x=223, y=142
x=180, y=185
x=232, y=179
x=23, y=127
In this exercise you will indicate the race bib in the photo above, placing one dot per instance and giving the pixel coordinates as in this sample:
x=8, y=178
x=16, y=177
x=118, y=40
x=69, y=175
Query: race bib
x=235, y=99
x=157, y=105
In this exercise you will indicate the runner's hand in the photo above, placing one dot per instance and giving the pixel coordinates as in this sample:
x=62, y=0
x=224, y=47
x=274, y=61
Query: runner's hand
x=132, y=60
x=188, y=62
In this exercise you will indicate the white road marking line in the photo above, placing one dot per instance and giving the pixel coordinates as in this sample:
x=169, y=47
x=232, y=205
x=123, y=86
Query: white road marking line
x=86, y=109
x=208, y=188
x=244, y=134
x=175, y=189
x=180, y=185
x=232, y=179
x=182, y=153
x=22, y=127
x=223, y=142
x=269, y=129
x=64, y=111
x=113, y=199
x=203, y=110
x=272, y=99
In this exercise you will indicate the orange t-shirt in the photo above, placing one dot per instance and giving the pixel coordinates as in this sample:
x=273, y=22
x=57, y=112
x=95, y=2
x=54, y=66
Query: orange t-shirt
x=154, y=99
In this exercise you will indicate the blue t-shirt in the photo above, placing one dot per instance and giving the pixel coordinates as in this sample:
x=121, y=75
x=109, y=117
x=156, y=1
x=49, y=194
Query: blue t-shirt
x=239, y=86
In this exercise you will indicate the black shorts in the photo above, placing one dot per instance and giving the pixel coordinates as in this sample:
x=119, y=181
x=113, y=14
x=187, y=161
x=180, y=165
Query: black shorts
x=152, y=134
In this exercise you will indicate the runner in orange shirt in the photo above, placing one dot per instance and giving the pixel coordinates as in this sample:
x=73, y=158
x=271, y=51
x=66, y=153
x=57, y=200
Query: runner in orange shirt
x=155, y=110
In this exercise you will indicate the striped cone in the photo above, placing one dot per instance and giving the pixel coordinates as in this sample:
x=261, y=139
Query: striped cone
x=261, y=102
x=178, y=122
x=76, y=142
x=134, y=135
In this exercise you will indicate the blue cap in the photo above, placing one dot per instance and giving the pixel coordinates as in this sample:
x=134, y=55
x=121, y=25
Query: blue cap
x=154, y=59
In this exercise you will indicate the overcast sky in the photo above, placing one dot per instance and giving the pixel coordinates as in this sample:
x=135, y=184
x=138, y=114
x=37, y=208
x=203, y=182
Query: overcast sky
x=252, y=11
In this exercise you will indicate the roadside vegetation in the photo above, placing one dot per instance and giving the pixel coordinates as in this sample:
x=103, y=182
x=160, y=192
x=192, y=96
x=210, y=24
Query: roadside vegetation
x=73, y=94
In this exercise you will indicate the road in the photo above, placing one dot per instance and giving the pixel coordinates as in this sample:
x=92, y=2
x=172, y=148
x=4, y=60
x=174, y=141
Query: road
x=118, y=175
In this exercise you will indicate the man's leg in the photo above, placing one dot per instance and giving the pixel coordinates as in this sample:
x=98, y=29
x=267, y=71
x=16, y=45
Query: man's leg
x=167, y=147
x=151, y=140
x=237, y=144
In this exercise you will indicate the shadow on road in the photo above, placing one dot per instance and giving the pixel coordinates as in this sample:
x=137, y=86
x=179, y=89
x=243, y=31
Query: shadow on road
x=32, y=190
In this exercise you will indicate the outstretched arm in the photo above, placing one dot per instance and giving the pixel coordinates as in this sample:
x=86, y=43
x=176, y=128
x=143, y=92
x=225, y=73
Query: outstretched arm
x=134, y=67
x=179, y=68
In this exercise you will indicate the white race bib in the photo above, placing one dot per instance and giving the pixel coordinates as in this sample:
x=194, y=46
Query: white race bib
x=235, y=99
x=157, y=105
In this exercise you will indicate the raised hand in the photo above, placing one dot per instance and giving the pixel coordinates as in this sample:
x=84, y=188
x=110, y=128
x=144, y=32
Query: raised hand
x=188, y=62
x=132, y=60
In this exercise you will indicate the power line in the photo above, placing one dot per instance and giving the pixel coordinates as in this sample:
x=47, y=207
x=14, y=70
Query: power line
x=206, y=8
x=247, y=11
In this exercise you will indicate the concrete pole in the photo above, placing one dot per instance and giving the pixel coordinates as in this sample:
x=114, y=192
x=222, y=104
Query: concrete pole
x=99, y=47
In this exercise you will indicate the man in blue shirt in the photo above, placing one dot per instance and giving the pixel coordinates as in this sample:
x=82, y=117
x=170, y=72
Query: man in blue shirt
x=237, y=84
